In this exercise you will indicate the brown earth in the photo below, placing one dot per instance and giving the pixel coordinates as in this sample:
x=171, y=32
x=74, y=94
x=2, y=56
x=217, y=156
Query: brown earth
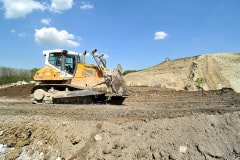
x=153, y=123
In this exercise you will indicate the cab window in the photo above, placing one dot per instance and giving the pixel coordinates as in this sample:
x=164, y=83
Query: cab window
x=63, y=62
x=55, y=59
x=70, y=63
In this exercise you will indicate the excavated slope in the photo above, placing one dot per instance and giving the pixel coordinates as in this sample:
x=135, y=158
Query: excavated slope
x=208, y=72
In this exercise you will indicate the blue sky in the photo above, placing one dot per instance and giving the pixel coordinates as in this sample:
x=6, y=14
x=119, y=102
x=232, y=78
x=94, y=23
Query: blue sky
x=135, y=33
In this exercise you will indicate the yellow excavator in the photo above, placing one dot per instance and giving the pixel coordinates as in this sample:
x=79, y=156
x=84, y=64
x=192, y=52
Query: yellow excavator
x=66, y=78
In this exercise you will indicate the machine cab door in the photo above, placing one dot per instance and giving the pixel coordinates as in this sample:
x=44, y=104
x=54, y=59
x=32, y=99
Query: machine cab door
x=70, y=64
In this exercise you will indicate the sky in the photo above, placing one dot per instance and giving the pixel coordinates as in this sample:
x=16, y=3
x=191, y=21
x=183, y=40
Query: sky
x=134, y=33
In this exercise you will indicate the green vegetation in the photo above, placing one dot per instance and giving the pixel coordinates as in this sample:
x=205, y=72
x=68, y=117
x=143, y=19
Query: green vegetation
x=200, y=81
x=129, y=71
x=12, y=75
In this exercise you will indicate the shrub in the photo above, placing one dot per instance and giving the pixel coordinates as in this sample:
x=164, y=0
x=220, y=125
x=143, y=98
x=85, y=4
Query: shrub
x=129, y=71
x=200, y=81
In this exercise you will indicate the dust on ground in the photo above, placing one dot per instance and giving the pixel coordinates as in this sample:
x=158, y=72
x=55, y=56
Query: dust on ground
x=153, y=123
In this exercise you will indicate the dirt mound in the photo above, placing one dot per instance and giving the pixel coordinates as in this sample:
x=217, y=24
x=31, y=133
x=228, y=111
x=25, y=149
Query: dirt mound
x=19, y=91
x=154, y=123
x=196, y=137
x=208, y=72
x=18, y=139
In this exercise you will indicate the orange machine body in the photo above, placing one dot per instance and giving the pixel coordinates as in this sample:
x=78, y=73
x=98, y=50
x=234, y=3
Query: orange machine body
x=67, y=68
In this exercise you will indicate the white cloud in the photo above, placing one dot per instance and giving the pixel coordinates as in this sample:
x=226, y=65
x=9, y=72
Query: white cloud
x=60, y=5
x=46, y=21
x=20, y=34
x=86, y=5
x=51, y=36
x=20, y=8
x=160, y=35
x=12, y=30
x=106, y=56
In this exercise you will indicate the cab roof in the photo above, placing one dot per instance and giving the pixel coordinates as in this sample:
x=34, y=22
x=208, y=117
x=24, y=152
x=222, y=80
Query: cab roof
x=45, y=52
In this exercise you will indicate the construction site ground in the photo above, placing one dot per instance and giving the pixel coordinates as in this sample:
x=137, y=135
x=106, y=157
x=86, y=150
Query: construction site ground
x=153, y=123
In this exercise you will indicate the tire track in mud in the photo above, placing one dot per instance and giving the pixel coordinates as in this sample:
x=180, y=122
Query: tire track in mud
x=212, y=73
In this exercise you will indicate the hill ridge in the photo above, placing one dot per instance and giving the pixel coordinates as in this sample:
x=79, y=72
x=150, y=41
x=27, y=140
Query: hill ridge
x=207, y=72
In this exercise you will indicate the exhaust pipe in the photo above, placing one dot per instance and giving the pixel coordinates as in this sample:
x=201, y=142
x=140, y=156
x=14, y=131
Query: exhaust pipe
x=83, y=57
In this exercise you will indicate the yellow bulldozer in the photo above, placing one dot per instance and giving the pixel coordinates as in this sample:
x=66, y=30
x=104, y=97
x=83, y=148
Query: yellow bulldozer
x=66, y=78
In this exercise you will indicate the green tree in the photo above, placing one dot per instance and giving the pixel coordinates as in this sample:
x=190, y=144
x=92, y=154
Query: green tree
x=129, y=71
x=12, y=75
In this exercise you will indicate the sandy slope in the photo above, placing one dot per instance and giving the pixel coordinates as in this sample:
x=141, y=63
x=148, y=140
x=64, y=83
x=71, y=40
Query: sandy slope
x=217, y=70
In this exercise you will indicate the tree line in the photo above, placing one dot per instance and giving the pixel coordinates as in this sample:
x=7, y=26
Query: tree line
x=12, y=75
x=129, y=71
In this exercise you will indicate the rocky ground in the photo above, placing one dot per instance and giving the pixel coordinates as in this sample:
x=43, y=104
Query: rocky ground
x=153, y=123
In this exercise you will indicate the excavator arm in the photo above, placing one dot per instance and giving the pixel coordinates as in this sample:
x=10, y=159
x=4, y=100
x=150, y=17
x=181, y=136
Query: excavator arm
x=113, y=80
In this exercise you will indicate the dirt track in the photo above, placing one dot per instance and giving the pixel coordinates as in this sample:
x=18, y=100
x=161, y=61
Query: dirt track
x=152, y=124
x=144, y=102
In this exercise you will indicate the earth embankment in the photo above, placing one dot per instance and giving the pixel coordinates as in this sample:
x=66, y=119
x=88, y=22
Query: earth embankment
x=207, y=72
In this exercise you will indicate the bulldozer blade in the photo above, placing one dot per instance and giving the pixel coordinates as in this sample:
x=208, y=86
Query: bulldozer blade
x=118, y=83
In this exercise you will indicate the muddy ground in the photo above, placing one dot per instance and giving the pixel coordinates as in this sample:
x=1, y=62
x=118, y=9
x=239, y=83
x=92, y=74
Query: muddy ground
x=153, y=123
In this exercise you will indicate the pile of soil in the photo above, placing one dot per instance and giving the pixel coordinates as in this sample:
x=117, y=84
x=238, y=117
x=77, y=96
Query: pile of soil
x=153, y=123
x=198, y=136
x=18, y=91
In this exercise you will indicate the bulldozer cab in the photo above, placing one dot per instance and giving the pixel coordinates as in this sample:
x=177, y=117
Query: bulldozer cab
x=63, y=61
